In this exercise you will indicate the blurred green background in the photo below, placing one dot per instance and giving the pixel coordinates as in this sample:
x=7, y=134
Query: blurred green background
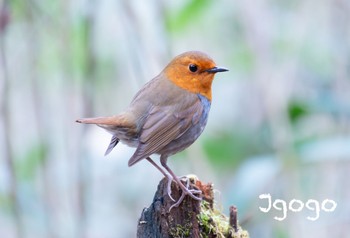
x=279, y=123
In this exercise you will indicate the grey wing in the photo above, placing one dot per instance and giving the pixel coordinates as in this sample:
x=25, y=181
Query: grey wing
x=162, y=127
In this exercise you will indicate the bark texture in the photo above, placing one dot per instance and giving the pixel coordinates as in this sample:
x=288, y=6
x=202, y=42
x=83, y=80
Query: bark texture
x=190, y=219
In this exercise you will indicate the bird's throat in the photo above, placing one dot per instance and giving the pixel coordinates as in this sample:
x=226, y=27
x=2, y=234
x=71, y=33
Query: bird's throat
x=194, y=85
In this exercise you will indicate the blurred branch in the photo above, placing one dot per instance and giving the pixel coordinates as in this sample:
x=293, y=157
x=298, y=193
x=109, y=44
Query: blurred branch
x=88, y=86
x=6, y=121
x=275, y=92
x=340, y=34
x=40, y=122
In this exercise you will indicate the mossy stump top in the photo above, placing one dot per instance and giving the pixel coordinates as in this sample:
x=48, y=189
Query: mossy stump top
x=190, y=219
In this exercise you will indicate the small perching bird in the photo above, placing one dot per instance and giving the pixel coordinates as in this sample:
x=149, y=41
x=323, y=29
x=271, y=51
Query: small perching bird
x=167, y=115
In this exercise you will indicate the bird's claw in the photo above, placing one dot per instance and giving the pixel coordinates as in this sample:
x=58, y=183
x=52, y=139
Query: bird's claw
x=194, y=191
x=170, y=180
x=188, y=178
x=178, y=201
x=185, y=190
x=183, y=194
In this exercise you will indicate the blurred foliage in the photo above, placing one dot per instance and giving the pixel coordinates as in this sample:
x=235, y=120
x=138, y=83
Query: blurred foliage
x=228, y=150
x=191, y=13
x=317, y=58
x=5, y=203
x=280, y=233
x=28, y=167
x=297, y=110
x=80, y=34
x=243, y=58
x=18, y=8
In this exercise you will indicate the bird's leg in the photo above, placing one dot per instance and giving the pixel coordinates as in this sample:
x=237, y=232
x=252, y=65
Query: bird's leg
x=185, y=190
x=157, y=166
x=169, y=178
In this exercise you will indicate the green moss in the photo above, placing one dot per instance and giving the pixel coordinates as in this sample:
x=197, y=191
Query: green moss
x=214, y=224
x=181, y=231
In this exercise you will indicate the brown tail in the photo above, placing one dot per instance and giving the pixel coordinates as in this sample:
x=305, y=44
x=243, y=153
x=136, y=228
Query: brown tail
x=100, y=120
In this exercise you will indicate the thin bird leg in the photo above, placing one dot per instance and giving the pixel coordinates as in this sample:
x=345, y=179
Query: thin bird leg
x=169, y=178
x=157, y=166
x=185, y=190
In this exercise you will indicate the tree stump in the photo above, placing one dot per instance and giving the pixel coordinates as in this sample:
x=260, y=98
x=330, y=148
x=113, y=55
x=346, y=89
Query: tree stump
x=191, y=218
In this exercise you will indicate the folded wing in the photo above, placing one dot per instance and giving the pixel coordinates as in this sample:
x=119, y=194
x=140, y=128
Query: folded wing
x=163, y=125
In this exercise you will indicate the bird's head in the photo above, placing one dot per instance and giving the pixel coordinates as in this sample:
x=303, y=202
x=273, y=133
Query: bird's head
x=193, y=71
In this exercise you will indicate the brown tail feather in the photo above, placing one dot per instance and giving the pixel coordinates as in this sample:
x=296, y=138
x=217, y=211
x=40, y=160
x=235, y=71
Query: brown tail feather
x=99, y=120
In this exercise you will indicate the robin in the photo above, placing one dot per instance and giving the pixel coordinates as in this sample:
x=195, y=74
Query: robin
x=167, y=115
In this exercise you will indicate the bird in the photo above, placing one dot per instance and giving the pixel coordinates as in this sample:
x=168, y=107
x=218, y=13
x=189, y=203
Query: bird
x=166, y=115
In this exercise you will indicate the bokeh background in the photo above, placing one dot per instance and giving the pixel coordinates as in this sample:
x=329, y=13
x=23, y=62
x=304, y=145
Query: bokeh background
x=279, y=123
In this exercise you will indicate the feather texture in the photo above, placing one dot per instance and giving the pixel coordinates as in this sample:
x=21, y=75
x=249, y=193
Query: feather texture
x=163, y=126
x=112, y=144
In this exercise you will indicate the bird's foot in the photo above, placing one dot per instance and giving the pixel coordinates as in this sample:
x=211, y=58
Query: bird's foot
x=189, y=179
x=186, y=189
x=170, y=180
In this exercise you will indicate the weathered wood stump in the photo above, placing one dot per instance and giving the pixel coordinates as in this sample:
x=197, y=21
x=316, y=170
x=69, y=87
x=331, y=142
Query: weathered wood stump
x=190, y=219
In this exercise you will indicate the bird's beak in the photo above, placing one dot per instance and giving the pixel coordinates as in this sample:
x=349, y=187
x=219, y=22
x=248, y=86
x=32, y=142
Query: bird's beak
x=216, y=70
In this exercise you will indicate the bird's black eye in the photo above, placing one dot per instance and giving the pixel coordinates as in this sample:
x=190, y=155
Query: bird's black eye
x=193, y=68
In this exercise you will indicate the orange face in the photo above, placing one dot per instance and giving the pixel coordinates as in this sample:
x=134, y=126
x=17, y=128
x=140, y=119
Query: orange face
x=193, y=71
